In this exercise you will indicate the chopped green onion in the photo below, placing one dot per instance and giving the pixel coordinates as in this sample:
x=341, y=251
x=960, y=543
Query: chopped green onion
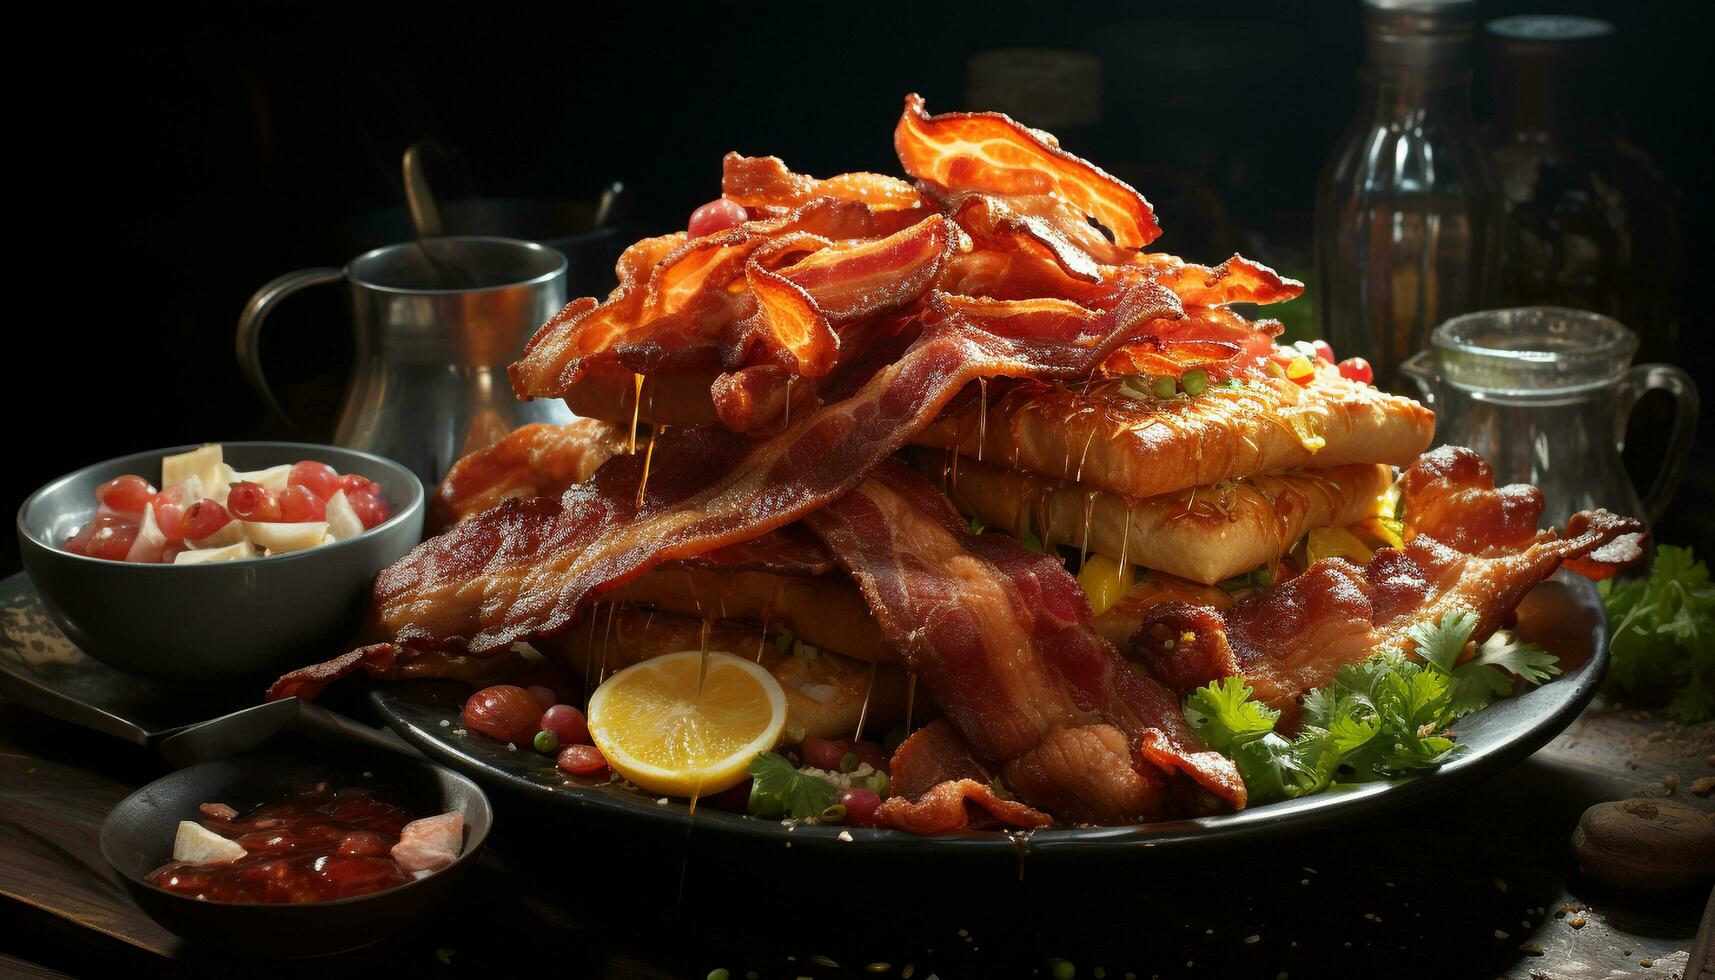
x=849, y=762
x=977, y=525
x=795, y=732
x=877, y=782
x=546, y=741
x=720, y=973
x=1194, y=381
x=1262, y=578
x=783, y=640
x=1031, y=542
x=1165, y=387
x=834, y=814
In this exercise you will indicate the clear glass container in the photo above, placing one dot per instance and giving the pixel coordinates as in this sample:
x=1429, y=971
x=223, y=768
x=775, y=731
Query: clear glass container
x=1407, y=217
x=1544, y=394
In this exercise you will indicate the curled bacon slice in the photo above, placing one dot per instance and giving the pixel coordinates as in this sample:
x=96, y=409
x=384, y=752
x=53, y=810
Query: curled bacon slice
x=1001, y=638
x=767, y=182
x=532, y=461
x=1450, y=495
x=1237, y=280
x=992, y=153
x=1290, y=639
x=526, y=568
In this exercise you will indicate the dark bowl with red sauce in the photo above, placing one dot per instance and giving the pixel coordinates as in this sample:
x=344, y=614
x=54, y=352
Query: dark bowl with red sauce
x=295, y=915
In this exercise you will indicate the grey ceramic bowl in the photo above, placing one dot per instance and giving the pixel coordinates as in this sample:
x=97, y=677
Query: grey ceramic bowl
x=137, y=838
x=219, y=620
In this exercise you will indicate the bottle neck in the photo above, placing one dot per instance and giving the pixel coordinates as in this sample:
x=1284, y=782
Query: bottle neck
x=1412, y=93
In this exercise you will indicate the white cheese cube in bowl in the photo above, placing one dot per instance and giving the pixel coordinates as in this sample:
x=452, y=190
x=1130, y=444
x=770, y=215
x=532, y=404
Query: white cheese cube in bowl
x=343, y=522
x=202, y=556
x=204, y=463
x=278, y=536
x=273, y=478
x=196, y=844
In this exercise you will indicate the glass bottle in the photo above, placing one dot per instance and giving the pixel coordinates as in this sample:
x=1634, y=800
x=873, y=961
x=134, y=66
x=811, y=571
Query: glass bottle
x=1590, y=222
x=1407, y=223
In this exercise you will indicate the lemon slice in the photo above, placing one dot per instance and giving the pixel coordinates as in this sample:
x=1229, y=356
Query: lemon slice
x=658, y=731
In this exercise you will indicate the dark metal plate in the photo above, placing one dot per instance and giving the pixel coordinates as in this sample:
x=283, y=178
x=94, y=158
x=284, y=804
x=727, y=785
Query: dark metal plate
x=1564, y=615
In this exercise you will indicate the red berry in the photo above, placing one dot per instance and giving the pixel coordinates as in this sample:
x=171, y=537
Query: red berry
x=252, y=502
x=299, y=504
x=871, y=753
x=861, y=804
x=717, y=215
x=354, y=483
x=205, y=517
x=108, y=536
x=125, y=494
x=169, y=517
x=319, y=478
x=824, y=753
x=582, y=760
x=543, y=694
x=1357, y=369
x=1324, y=351
x=370, y=509
x=504, y=711
x=567, y=723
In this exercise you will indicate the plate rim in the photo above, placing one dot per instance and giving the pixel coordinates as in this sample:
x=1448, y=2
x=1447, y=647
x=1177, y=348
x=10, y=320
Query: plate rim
x=1569, y=695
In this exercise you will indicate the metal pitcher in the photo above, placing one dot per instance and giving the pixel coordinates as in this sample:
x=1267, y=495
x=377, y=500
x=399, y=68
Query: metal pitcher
x=1544, y=394
x=436, y=323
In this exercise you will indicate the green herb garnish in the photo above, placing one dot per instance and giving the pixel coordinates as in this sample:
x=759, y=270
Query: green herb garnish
x=1664, y=635
x=1384, y=717
x=778, y=789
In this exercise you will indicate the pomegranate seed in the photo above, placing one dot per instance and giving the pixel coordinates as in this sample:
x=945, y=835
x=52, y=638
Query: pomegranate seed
x=204, y=518
x=543, y=694
x=824, y=753
x=319, y=478
x=567, y=723
x=125, y=494
x=1324, y=350
x=252, y=502
x=717, y=215
x=299, y=504
x=1357, y=369
x=582, y=760
x=861, y=805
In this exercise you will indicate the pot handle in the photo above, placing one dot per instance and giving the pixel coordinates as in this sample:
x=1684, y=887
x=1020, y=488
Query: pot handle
x=1665, y=377
x=1419, y=367
x=249, y=348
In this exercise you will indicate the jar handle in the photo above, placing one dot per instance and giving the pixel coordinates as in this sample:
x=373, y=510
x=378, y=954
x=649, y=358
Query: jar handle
x=249, y=347
x=1665, y=377
x=1418, y=367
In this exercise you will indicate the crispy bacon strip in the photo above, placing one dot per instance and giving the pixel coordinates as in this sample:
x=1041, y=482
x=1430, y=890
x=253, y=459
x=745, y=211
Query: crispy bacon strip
x=1001, y=638
x=767, y=182
x=532, y=461
x=526, y=568
x=1449, y=493
x=992, y=153
x=1290, y=639
x=382, y=660
x=674, y=290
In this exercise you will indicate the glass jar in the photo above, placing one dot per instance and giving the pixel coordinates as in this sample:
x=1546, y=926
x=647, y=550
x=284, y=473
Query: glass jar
x=1544, y=394
x=1407, y=224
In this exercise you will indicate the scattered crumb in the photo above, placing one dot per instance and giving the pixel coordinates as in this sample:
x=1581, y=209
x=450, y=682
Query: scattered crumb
x=1253, y=939
x=445, y=723
x=1525, y=923
x=513, y=746
x=821, y=960
x=1710, y=761
x=1704, y=786
x=368, y=775
x=1304, y=881
x=1372, y=917
x=1671, y=781
x=661, y=802
x=460, y=731
x=846, y=836
x=1646, y=963
x=1531, y=948
x=1500, y=934
x=1501, y=884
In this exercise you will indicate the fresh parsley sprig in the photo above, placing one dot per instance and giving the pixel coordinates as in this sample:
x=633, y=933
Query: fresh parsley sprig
x=1384, y=717
x=1664, y=635
x=778, y=789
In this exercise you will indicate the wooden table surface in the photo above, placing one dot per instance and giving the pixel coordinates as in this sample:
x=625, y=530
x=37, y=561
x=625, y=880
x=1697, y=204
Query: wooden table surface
x=1476, y=883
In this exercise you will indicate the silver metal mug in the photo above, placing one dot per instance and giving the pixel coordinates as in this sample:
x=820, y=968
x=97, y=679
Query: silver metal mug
x=436, y=323
x=1544, y=393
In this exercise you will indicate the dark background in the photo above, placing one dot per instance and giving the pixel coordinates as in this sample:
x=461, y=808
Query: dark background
x=176, y=167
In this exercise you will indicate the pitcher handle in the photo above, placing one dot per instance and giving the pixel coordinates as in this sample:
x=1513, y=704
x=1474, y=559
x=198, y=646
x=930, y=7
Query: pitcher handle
x=1418, y=368
x=250, y=329
x=1665, y=377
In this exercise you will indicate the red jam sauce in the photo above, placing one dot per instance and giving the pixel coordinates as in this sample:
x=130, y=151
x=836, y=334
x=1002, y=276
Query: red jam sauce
x=316, y=846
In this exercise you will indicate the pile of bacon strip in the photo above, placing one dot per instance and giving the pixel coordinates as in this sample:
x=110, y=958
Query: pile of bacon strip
x=780, y=366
